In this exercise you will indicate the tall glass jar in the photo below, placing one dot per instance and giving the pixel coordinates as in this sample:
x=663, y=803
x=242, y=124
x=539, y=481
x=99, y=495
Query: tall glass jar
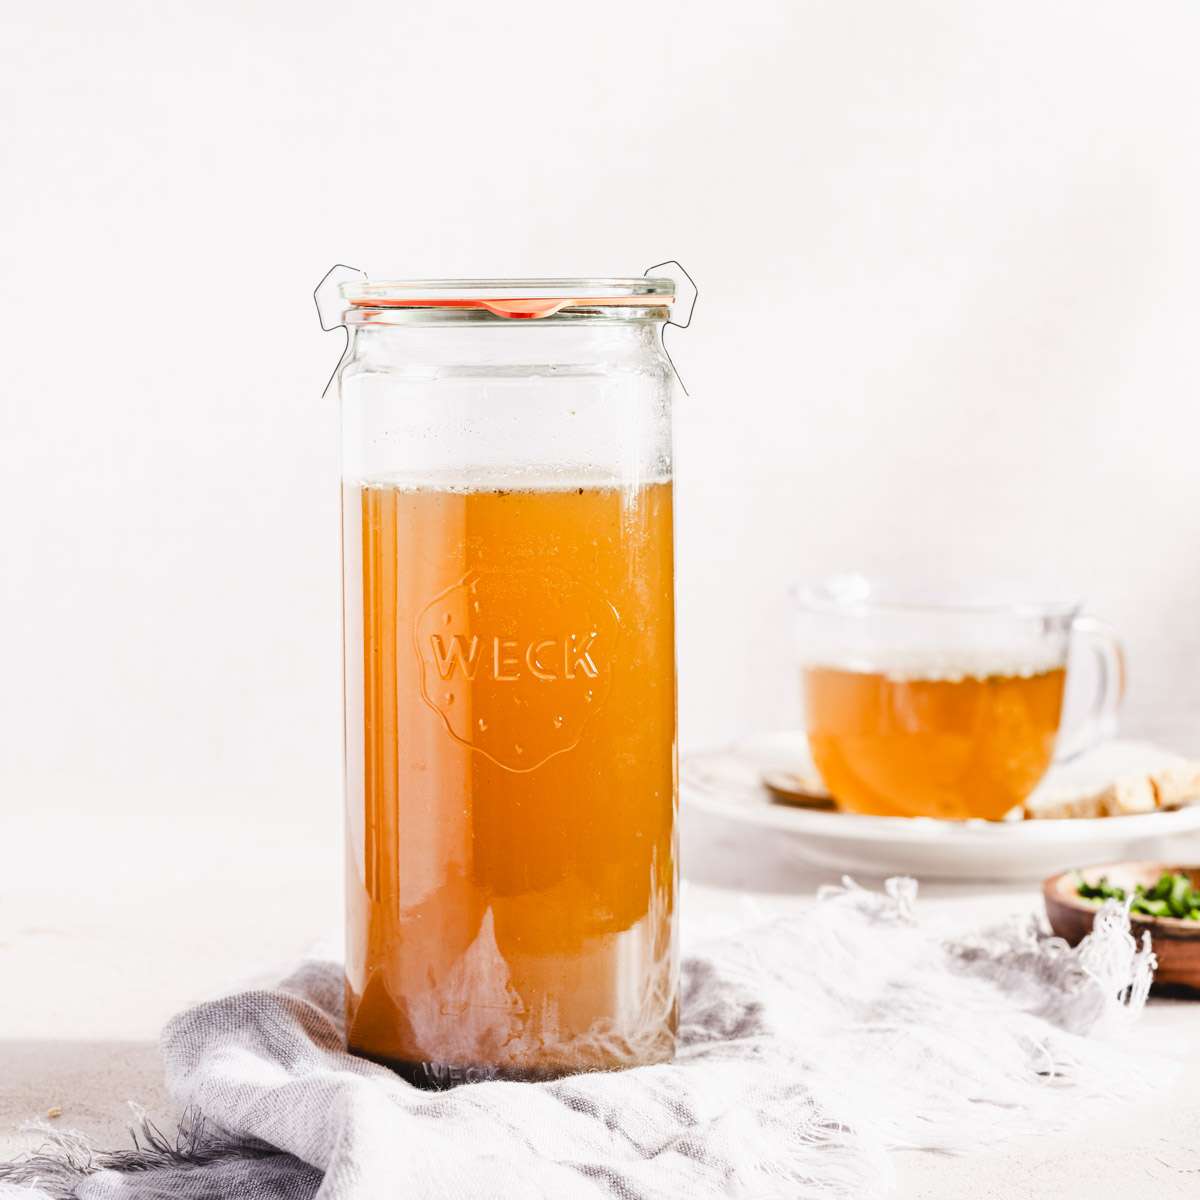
x=509, y=676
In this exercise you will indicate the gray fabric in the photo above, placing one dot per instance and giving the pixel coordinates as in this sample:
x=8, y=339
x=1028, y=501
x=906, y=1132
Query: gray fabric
x=807, y=1048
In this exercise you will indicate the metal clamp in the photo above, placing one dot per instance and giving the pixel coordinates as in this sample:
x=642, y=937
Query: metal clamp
x=323, y=294
x=690, y=304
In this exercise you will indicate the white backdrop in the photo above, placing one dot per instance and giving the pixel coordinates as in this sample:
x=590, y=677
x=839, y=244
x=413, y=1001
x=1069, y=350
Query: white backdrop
x=949, y=259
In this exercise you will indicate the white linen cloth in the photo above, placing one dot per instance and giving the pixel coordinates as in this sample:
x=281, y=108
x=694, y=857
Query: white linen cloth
x=808, y=1047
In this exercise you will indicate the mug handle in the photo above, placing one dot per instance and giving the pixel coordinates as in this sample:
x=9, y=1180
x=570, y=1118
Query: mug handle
x=1101, y=722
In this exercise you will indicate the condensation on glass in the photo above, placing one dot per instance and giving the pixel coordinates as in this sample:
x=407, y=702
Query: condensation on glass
x=509, y=677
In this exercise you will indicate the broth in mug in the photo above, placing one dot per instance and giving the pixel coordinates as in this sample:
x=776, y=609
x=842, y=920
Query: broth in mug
x=943, y=740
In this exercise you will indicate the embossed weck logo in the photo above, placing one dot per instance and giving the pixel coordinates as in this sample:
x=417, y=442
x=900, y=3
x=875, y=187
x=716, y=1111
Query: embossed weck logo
x=517, y=662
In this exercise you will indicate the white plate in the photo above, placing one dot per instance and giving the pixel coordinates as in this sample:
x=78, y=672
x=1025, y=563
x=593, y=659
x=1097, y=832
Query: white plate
x=728, y=784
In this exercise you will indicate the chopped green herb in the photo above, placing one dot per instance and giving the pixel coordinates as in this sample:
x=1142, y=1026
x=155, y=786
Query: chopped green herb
x=1173, y=895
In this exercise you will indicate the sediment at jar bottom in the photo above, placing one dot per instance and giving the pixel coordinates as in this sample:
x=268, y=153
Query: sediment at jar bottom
x=511, y=778
x=440, y=1077
x=953, y=742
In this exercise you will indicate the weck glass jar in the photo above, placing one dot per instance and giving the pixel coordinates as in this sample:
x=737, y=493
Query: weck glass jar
x=509, y=676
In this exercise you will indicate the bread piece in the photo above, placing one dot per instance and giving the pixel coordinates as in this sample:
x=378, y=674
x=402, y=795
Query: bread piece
x=1126, y=796
x=800, y=788
x=1174, y=786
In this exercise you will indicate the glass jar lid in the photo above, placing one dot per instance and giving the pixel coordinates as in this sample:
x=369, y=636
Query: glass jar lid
x=514, y=298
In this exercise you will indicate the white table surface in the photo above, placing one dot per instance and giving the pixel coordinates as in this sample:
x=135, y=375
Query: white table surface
x=100, y=947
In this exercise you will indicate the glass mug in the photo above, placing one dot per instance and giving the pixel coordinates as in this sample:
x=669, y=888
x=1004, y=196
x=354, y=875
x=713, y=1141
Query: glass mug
x=509, y=676
x=915, y=706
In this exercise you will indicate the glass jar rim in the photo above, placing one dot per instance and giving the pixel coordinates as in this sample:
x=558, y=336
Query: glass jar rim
x=850, y=594
x=527, y=298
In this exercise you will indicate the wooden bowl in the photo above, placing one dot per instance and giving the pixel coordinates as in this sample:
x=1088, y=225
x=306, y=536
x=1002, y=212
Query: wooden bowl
x=1176, y=942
